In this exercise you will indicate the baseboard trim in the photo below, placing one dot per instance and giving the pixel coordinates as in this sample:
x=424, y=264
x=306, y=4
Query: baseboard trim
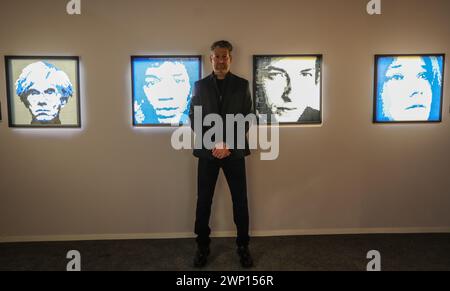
x=131, y=236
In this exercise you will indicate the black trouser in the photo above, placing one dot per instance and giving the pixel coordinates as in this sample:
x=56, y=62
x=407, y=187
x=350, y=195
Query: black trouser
x=208, y=171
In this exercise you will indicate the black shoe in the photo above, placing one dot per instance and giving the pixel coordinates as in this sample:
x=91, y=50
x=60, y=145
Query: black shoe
x=201, y=257
x=245, y=256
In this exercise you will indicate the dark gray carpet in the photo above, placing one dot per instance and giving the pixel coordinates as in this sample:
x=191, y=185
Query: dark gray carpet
x=423, y=252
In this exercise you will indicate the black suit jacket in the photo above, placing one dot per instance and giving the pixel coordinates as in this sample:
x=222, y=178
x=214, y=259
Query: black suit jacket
x=236, y=99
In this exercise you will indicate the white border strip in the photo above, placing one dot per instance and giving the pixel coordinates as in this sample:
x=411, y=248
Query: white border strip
x=135, y=236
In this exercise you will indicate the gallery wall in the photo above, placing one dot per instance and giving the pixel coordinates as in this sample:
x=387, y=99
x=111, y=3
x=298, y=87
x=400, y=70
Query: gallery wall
x=110, y=180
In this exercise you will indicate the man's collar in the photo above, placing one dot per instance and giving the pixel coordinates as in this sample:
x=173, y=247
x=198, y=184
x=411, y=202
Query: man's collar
x=227, y=75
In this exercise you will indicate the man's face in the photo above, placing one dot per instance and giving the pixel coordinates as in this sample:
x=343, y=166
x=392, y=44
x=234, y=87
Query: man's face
x=221, y=61
x=407, y=93
x=44, y=101
x=290, y=86
x=167, y=89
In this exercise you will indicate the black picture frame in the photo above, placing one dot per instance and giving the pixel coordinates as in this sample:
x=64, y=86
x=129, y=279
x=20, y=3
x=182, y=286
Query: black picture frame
x=199, y=58
x=10, y=94
x=377, y=57
x=256, y=94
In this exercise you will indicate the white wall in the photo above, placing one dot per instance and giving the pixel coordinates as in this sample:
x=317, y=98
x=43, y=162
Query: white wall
x=110, y=180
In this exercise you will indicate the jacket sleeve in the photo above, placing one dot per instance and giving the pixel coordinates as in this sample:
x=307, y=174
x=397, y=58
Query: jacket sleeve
x=195, y=101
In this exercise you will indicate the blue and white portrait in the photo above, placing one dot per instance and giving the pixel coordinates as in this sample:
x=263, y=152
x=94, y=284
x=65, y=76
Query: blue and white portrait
x=409, y=88
x=162, y=89
x=43, y=91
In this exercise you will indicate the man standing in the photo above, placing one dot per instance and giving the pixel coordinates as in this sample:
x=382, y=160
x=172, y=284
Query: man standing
x=221, y=93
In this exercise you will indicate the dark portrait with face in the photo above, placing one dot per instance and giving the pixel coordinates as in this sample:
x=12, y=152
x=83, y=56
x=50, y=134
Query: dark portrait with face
x=288, y=89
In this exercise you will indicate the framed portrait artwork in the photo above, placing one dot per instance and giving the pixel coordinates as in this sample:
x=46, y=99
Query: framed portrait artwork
x=162, y=88
x=287, y=89
x=408, y=88
x=43, y=91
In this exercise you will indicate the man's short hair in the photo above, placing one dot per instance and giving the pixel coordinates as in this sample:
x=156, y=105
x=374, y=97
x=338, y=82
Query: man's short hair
x=222, y=44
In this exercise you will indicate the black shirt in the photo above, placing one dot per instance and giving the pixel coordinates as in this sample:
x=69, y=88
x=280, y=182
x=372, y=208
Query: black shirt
x=220, y=85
